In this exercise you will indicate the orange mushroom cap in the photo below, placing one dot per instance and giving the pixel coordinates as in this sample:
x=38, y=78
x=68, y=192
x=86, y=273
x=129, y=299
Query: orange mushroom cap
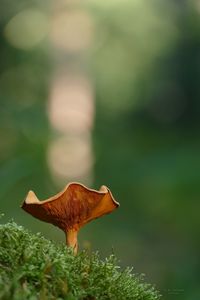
x=72, y=208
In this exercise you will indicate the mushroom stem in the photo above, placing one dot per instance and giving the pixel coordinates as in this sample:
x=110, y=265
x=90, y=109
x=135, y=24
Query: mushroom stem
x=71, y=240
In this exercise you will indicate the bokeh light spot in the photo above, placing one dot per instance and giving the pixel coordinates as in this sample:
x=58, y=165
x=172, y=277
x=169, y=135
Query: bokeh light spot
x=71, y=107
x=26, y=29
x=70, y=157
x=72, y=31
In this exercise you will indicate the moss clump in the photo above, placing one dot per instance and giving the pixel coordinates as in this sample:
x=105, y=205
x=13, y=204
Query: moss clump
x=32, y=267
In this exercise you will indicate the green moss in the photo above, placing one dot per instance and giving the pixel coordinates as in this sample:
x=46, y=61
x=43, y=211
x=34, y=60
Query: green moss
x=32, y=267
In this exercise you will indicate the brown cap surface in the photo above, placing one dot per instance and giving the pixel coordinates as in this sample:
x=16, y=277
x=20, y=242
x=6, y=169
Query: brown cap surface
x=72, y=208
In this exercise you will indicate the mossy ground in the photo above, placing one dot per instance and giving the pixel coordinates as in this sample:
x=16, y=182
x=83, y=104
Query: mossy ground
x=32, y=267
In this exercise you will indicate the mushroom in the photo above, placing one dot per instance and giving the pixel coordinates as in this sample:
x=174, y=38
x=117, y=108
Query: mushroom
x=71, y=209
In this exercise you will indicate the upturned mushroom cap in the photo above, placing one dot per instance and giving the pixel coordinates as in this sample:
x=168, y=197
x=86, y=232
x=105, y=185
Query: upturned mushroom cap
x=72, y=208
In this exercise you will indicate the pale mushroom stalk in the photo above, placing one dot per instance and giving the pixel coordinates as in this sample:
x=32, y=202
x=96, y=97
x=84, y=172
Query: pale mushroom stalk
x=71, y=209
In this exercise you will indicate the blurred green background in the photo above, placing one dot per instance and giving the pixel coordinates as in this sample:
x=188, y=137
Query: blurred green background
x=108, y=92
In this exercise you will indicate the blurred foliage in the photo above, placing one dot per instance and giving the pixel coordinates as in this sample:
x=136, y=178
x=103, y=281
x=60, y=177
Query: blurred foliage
x=145, y=66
